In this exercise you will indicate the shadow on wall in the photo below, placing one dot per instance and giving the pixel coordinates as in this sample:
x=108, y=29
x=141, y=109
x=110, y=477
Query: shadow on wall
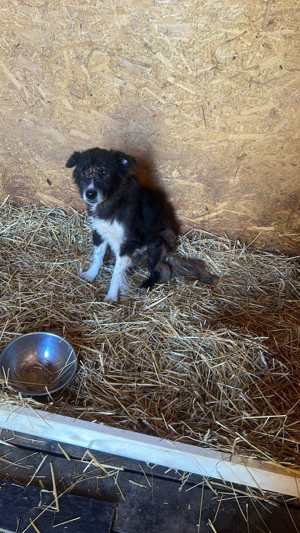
x=138, y=131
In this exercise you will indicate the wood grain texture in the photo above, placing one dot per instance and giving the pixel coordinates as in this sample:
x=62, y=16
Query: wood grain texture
x=209, y=90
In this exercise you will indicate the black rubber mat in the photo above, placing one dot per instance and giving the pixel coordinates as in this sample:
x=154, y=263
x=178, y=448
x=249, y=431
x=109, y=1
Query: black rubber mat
x=27, y=509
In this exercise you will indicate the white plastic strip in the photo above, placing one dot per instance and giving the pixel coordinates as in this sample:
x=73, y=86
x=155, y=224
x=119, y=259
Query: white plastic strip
x=89, y=435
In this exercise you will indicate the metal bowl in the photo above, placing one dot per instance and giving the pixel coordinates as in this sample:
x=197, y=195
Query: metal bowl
x=37, y=364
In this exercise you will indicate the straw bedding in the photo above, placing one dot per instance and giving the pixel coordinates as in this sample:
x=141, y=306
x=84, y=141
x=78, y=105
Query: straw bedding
x=217, y=367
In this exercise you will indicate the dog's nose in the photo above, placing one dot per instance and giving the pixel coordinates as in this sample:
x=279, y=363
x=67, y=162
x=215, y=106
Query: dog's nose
x=91, y=194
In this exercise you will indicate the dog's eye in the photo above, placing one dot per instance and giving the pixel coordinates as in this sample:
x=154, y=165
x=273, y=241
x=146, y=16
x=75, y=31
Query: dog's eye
x=102, y=172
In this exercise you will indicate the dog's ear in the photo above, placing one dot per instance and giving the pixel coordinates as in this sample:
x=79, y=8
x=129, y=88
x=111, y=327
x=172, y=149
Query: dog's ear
x=126, y=163
x=73, y=160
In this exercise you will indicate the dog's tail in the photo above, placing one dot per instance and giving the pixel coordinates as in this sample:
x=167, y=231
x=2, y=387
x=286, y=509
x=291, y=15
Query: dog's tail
x=191, y=268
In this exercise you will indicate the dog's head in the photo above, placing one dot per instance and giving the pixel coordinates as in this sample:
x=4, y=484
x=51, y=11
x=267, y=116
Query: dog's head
x=98, y=173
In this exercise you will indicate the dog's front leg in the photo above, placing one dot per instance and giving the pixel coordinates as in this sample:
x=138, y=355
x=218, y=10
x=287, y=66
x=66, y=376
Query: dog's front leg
x=99, y=250
x=119, y=283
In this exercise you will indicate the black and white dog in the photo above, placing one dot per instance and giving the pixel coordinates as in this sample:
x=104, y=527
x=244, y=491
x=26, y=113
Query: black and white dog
x=130, y=219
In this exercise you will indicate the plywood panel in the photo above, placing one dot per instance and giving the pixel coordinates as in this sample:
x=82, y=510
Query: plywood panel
x=207, y=89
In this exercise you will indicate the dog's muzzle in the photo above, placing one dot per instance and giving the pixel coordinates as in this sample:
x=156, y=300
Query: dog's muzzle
x=91, y=195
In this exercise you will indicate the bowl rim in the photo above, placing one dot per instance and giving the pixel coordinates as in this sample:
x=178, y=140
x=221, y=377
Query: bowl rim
x=56, y=389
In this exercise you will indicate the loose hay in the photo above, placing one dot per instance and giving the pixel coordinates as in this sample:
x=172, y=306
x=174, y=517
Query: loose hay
x=211, y=367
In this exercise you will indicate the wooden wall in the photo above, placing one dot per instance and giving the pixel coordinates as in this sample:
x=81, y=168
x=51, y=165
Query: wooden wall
x=207, y=89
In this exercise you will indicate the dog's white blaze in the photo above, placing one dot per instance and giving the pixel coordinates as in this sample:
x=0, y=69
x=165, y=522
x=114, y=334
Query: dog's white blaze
x=111, y=232
x=92, y=205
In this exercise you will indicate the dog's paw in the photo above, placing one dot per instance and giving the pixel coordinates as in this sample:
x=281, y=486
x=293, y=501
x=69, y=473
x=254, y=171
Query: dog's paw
x=86, y=275
x=148, y=284
x=111, y=298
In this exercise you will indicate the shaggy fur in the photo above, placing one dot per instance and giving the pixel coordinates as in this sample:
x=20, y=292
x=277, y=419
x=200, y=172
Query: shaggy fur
x=131, y=219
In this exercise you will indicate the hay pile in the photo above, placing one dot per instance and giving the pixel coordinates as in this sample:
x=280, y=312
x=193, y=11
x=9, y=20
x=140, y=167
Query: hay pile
x=217, y=367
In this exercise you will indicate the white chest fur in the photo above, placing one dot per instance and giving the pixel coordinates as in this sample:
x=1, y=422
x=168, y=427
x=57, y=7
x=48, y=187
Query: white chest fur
x=111, y=232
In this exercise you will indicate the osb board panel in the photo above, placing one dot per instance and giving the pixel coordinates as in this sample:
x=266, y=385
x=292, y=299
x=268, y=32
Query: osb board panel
x=208, y=89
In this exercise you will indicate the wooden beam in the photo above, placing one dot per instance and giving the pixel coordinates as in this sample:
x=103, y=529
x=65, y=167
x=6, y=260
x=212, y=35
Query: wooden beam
x=261, y=475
